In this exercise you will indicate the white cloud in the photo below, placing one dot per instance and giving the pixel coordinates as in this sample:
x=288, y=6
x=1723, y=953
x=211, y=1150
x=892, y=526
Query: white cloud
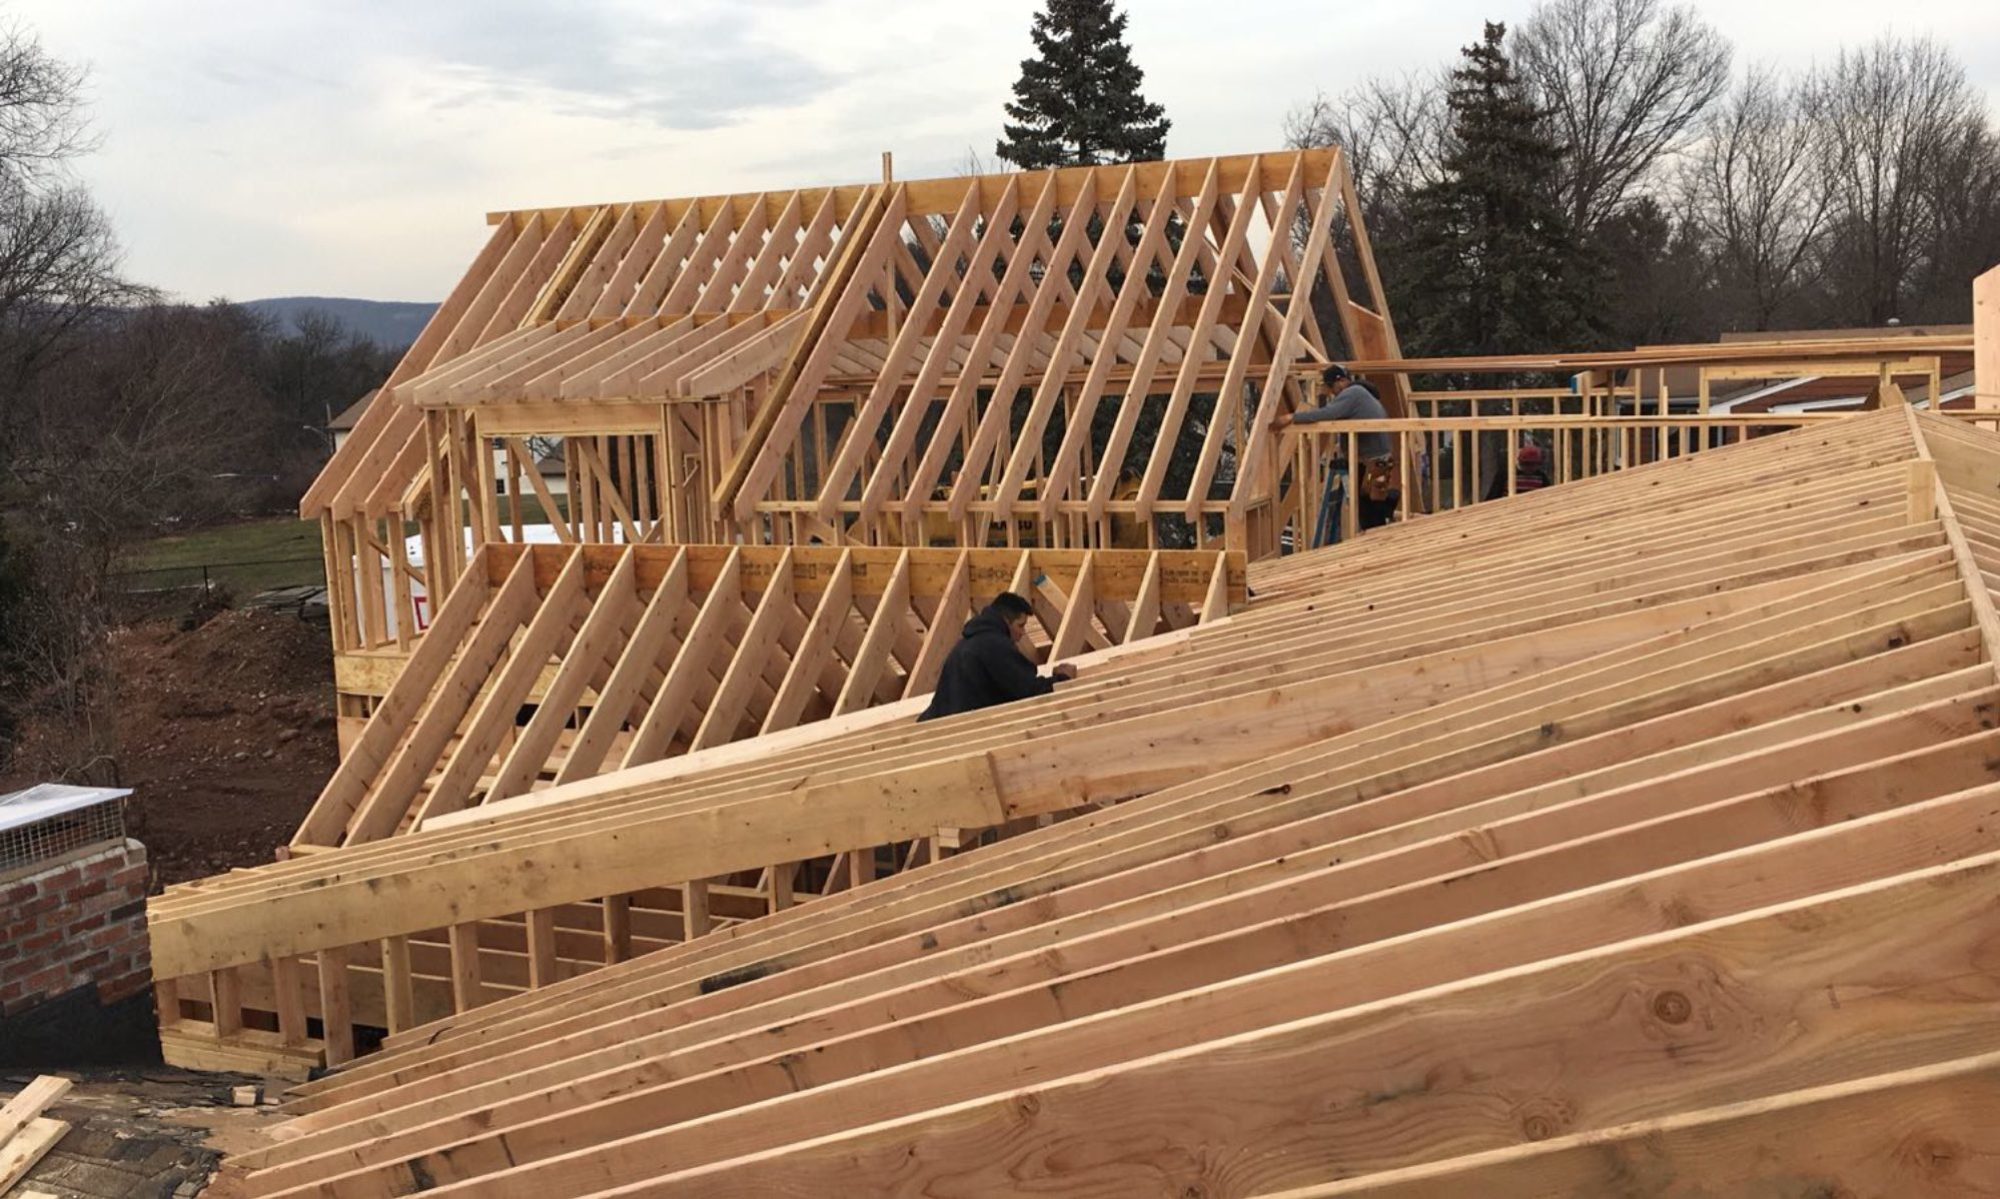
x=256, y=149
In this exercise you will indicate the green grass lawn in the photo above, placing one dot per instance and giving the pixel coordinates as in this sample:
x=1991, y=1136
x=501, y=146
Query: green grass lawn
x=532, y=512
x=249, y=556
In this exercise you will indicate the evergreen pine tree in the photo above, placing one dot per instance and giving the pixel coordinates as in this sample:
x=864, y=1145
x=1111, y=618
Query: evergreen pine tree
x=1077, y=101
x=1492, y=263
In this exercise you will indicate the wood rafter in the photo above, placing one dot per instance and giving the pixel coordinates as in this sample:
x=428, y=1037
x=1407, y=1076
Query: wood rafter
x=1354, y=857
x=914, y=312
x=576, y=633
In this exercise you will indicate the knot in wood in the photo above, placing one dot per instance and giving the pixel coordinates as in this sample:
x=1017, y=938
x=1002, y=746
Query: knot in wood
x=1544, y=1116
x=1935, y=1156
x=1672, y=1007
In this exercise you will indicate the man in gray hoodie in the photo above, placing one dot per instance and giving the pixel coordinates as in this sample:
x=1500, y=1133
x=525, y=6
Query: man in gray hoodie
x=1352, y=401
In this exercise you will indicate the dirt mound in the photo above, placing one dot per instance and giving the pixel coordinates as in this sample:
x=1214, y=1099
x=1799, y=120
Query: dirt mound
x=228, y=735
x=225, y=734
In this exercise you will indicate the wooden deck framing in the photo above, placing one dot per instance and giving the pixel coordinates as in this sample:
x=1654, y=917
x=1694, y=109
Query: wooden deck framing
x=1602, y=833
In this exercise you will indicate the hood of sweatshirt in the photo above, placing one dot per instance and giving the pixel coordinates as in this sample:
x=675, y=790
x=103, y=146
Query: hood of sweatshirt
x=990, y=620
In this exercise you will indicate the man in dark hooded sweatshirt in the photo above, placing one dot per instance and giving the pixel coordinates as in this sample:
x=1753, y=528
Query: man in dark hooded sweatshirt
x=987, y=666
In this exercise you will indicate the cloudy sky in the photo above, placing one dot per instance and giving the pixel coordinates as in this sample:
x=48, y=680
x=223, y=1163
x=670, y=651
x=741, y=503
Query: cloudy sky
x=288, y=147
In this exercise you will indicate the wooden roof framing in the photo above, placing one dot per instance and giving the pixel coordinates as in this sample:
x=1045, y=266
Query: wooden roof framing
x=912, y=305
x=1078, y=290
x=629, y=654
x=667, y=282
x=1649, y=811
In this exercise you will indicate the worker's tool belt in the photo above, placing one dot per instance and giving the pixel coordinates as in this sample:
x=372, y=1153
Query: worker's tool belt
x=1377, y=478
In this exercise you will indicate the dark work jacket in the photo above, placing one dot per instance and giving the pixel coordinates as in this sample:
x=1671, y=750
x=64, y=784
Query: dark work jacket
x=985, y=668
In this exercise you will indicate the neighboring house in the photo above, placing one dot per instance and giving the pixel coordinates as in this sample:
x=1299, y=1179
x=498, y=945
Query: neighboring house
x=549, y=464
x=554, y=472
x=1803, y=391
x=342, y=425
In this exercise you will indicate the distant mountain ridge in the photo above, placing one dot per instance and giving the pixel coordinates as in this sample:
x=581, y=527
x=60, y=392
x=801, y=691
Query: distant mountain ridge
x=392, y=324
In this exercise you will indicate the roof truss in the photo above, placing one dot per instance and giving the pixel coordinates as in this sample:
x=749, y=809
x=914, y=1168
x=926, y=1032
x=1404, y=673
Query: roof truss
x=1682, y=783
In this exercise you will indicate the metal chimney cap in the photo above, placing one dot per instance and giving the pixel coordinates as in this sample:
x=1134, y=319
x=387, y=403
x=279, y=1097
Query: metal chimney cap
x=46, y=800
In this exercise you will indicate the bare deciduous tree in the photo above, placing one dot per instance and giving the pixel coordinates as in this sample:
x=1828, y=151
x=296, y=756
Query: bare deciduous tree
x=1395, y=133
x=1866, y=191
x=58, y=273
x=971, y=163
x=54, y=662
x=1965, y=237
x=140, y=427
x=1756, y=189
x=42, y=121
x=1899, y=118
x=1625, y=84
x=58, y=257
x=59, y=268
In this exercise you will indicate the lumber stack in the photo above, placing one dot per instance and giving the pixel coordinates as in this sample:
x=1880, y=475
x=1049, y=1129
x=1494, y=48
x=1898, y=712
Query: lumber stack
x=26, y=1135
x=1638, y=836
